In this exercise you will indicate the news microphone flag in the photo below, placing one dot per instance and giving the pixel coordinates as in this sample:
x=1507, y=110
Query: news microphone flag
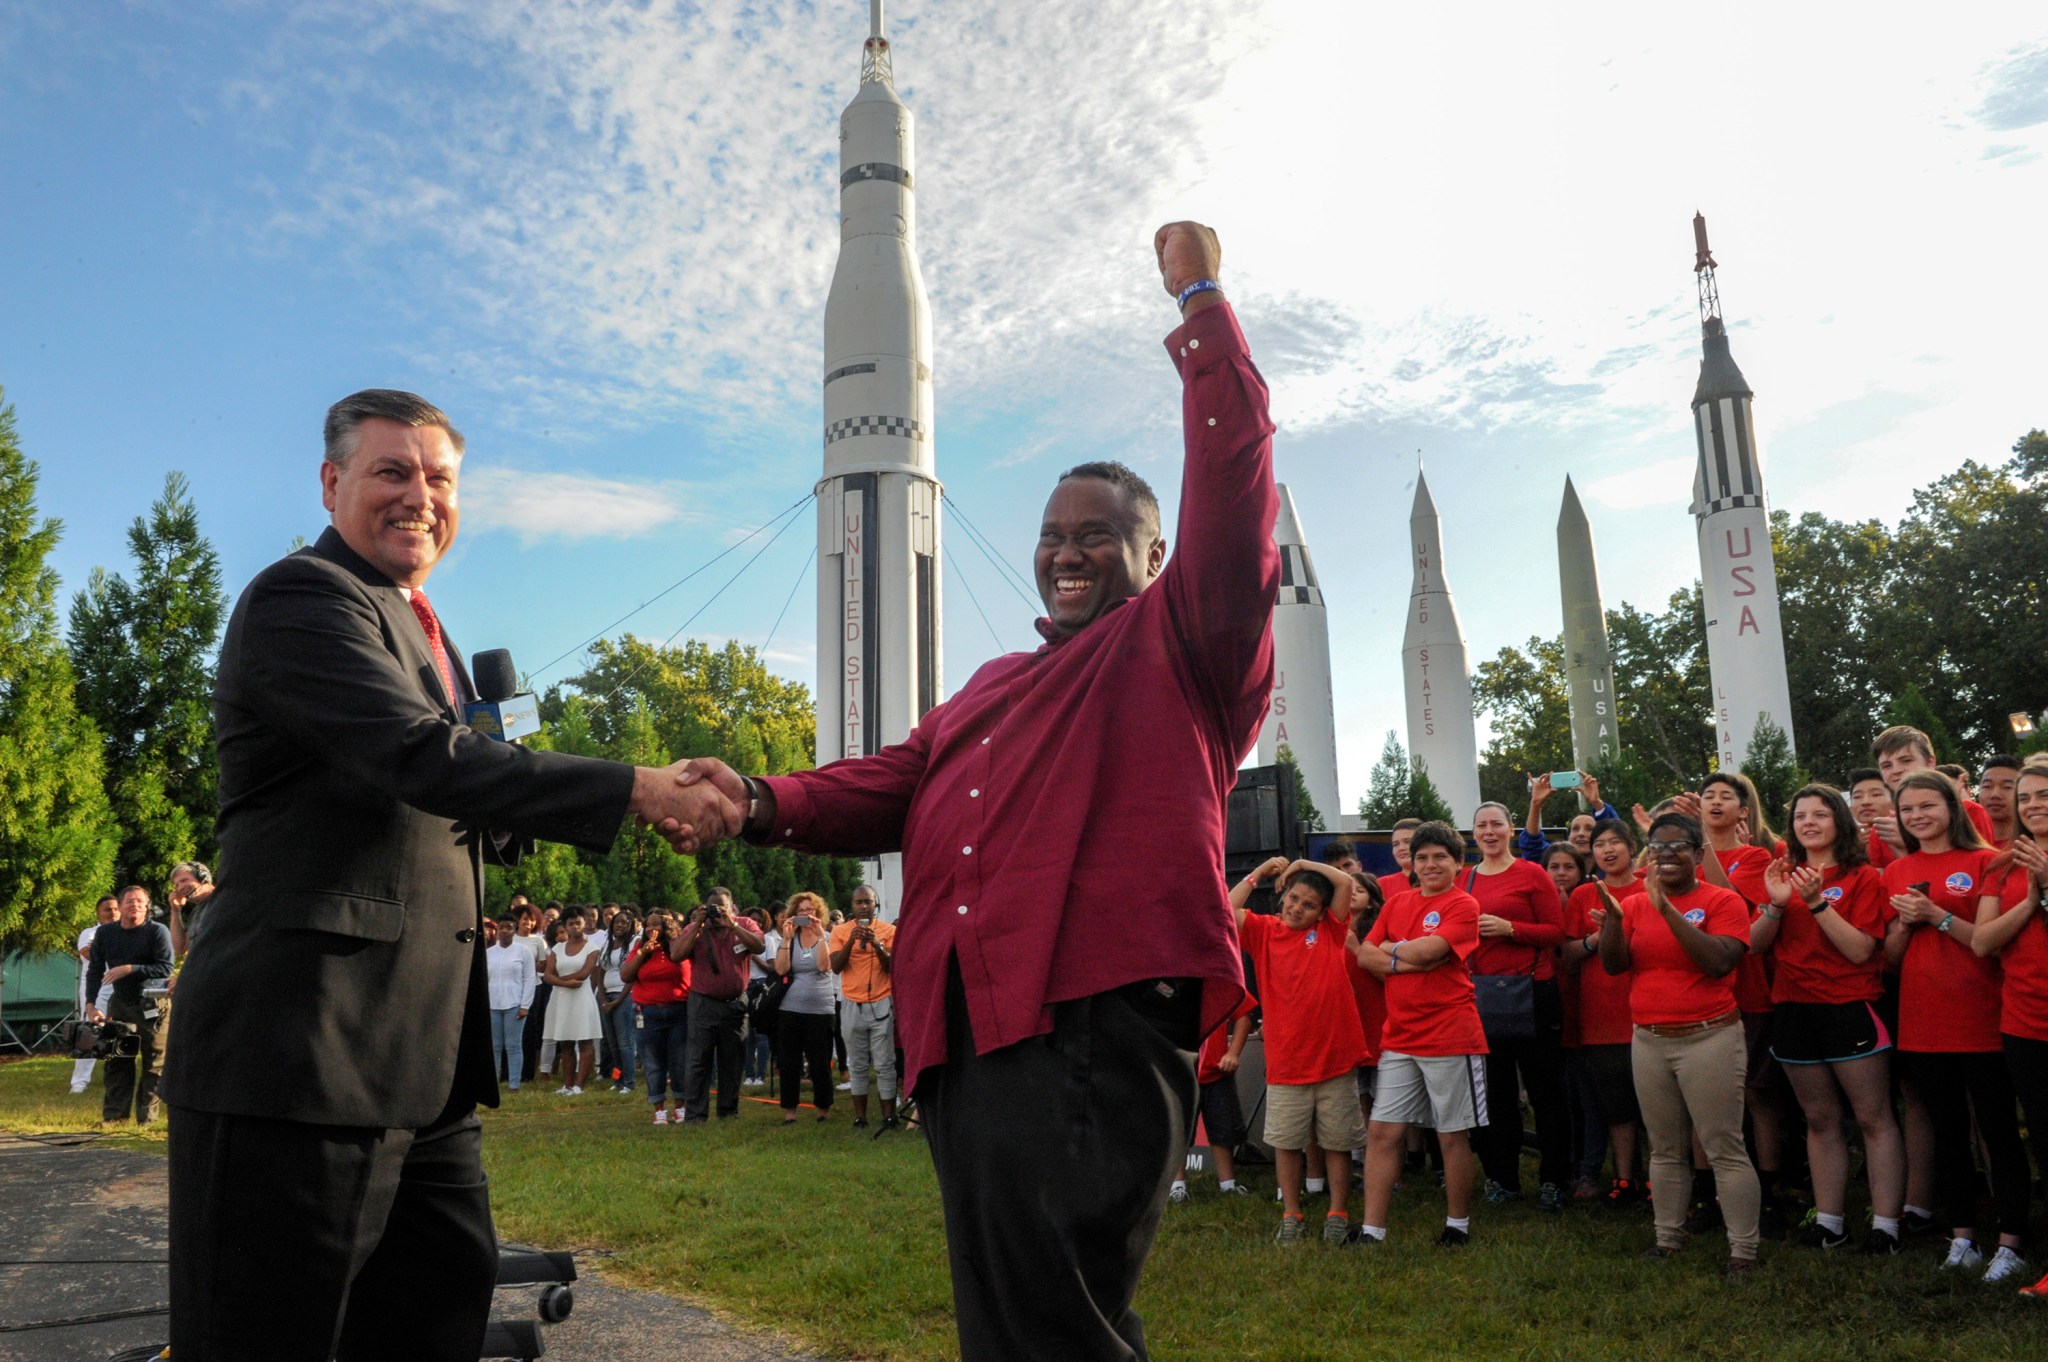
x=500, y=712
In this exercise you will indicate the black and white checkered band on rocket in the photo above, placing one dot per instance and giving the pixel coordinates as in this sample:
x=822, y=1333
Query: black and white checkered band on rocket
x=904, y=426
x=1719, y=504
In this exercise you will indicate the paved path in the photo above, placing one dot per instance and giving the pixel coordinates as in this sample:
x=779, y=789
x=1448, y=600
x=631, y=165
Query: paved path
x=71, y=1198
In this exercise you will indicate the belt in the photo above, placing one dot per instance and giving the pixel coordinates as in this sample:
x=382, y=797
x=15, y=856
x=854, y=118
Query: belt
x=1670, y=1030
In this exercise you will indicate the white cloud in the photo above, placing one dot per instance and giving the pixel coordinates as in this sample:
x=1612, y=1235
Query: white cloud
x=572, y=506
x=1655, y=482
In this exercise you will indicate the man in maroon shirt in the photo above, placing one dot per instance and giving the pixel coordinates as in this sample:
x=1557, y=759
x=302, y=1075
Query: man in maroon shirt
x=1052, y=1058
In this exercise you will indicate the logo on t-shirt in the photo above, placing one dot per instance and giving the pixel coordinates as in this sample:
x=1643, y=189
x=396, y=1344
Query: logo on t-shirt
x=1959, y=883
x=1833, y=893
x=1311, y=939
x=1695, y=916
x=1431, y=921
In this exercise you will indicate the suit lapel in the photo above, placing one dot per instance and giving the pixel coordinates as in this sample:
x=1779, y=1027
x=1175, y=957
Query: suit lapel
x=401, y=625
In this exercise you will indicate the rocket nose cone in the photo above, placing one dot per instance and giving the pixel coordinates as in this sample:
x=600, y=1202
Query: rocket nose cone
x=1287, y=525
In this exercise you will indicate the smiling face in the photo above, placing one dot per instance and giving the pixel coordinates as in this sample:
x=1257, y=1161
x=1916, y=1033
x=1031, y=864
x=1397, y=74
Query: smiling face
x=134, y=908
x=1674, y=860
x=393, y=502
x=2030, y=803
x=1094, y=549
x=1301, y=907
x=1435, y=868
x=1903, y=761
x=1813, y=825
x=1581, y=833
x=1924, y=813
x=1870, y=800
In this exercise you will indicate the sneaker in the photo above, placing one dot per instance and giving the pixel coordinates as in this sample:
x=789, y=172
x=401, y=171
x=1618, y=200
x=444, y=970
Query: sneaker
x=1624, y=1192
x=563, y=1091
x=1879, y=1244
x=1705, y=1217
x=1550, y=1198
x=660, y=1117
x=1585, y=1189
x=1914, y=1223
x=1359, y=1239
x=1178, y=1195
x=2004, y=1263
x=889, y=1123
x=1497, y=1195
x=1289, y=1231
x=1820, y=1236
x=860, y=1123
x=1453, y=1238
x=1337, y=1227
x=576, y=1092
x=1236, y=1189
x=1962, y=1253
x=77, y=1089
x=1740, y=1271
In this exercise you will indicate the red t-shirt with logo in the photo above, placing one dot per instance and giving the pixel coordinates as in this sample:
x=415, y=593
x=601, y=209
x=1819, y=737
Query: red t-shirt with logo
x=1882, y=855
x=1311, y=1027
x=2023, y=1006
x=1525, y=895
x=1604, y=1017
x=1369, y=992
x=1744, y=866
x=1808, y=967
x=1216, y=1042
x=1431, y=1013
x=1948, y=998
x=1666, y=988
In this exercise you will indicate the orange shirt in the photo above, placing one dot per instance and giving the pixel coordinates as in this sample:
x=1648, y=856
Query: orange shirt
x=864, y=980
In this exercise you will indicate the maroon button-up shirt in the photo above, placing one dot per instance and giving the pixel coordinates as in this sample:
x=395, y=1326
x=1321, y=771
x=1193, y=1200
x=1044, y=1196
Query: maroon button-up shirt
x=1061, y=818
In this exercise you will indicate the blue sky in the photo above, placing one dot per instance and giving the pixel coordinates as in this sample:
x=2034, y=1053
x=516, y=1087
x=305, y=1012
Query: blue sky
x=600, y=235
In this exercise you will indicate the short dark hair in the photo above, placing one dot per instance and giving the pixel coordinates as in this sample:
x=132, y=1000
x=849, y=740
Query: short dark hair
x=1125, y=479
x=1338, y=848
x=1317, y=882
x=1849, y=849
x=128, y=889
x=1579, y=857
x=1437, y=834
x=1861, y=774
x=1614, y=827
x=339, y=435
x=1687, y=827
x=2003, y=761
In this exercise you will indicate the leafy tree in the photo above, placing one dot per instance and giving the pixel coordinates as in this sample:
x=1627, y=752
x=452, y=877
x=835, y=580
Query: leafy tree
x=1770, y=766
x=1305, y=811
x=57, y=835
x=1842, y=631
x=1523, y=692
x=1425, y=803
x=1387, y=793
x=1663, y=694
x=1910, y=707
x=1626, y=782
x=144, y=653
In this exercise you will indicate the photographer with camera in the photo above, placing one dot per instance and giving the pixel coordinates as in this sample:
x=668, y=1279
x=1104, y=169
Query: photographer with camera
x=803, y=1022
x=130, y=952
x=717, y=942
x=862, y=955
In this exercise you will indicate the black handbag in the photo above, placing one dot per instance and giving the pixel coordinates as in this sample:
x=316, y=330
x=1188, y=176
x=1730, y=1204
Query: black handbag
x=1507, y=1002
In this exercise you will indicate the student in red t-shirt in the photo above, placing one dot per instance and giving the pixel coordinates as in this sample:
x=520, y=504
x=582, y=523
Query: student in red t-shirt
x=1683, y=941
x=1995, y=788
x=1899, y=752
x=1314, y=1043
x=1432, y=1049
x=1949, y=1016
x=2014, y=928
x=1605, y=1030
x=1222, y=1114
x=1823, y=927
x=1569, y=867
x=1521, y=925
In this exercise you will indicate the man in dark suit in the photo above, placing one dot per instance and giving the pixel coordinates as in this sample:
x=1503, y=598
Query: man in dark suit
x=327, y=1195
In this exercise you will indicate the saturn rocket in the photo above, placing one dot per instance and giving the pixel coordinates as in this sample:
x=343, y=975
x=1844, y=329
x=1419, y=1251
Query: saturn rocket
x=1745, y=643
x=1588, y=662
x=1441, y=734
x=1302, y=718
x=878, y=501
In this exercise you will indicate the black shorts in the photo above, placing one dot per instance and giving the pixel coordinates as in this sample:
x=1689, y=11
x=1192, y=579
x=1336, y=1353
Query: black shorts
x=1611, y=1071
x=1827, y=1033
x=1222, y=1116
x=1763, y=1066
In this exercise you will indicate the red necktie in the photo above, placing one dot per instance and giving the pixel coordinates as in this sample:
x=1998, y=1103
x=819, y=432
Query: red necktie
x=432, y=625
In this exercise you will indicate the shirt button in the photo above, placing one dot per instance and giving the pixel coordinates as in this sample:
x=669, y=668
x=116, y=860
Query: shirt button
x=1212, y=420
x=1195, y=344
x=963, y=910
x=966, y=851
x=984, y=742
x=1183, y=349
x=974, y=794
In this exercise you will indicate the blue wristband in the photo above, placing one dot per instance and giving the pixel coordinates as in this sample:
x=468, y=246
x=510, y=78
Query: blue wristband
x=1199, y=286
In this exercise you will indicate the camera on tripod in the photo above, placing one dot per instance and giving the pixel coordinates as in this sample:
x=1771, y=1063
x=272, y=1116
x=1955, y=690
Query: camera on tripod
x=109, y=1040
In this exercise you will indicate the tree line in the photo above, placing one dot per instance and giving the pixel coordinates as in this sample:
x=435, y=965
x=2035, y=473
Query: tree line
x=107, y=769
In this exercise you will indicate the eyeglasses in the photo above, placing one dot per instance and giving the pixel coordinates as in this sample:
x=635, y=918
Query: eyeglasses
x=1669, y=848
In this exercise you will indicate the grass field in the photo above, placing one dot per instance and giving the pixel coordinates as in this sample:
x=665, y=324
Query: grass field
x=833, y=1241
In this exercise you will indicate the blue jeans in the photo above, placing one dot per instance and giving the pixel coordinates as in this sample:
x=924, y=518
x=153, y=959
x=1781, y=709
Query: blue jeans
x=663, y=1029
x=620, y=1031
x=505, y=1042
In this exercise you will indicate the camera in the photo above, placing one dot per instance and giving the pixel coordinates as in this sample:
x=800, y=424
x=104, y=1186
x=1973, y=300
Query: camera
x=110, y=1040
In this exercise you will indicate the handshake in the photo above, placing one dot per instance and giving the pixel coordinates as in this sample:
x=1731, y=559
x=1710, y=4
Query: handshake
x=694, y=804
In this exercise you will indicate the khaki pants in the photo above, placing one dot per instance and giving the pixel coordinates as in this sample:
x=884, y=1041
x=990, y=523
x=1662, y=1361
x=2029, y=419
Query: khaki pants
x=1700, y=1077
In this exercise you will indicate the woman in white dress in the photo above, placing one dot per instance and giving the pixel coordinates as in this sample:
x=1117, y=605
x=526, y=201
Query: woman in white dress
x=573, y=1022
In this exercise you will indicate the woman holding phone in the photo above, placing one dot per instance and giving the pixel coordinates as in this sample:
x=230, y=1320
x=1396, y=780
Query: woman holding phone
x=803, y=1025
x=661, y=989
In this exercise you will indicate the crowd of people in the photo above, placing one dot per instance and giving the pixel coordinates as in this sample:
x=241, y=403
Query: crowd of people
x=1686, y=989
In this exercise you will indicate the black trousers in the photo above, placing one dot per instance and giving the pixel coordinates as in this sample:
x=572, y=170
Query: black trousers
x=1953, y=1085
x=305, y=1243
x=1534, y=1063
x=128, y=1086
x=715, y=1026
x=804, y=1040
x=2027, y=1061
x=1054, y=1156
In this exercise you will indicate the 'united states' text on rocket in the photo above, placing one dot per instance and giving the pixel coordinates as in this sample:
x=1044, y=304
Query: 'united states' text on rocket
x=1441, y=734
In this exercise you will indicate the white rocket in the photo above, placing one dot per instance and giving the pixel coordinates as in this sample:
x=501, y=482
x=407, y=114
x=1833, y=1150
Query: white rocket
x=1441, y=734
x=1588, y=661
x=878, y=501
x=1739, y=576
x=1302, y=718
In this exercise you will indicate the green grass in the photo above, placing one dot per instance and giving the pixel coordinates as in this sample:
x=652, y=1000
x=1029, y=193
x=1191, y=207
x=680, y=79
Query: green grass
x=834, y=1242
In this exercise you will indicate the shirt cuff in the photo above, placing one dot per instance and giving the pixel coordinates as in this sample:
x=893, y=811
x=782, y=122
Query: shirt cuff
x=792, y=809
x=1205, y=340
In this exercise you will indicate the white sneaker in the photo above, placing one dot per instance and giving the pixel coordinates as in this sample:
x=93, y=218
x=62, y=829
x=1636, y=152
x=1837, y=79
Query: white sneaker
x=1178, y=1194
x=660, y=1117
x=77, y=1089
x=576, y=1092
x=2004, y=1263
x=1962, y=1253
x=563, y=1091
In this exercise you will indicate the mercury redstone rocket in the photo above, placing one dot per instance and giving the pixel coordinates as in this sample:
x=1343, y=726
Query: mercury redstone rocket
x=1588, y=662
x=878, y=501
x=1738, y=575
x=1302, y=718
x=1441, y=734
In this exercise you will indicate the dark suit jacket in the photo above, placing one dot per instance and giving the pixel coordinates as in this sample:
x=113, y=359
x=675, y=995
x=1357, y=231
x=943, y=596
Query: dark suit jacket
x=341, y=980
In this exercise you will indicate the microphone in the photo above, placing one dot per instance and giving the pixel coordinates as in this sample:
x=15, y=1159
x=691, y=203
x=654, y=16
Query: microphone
x=500, y=711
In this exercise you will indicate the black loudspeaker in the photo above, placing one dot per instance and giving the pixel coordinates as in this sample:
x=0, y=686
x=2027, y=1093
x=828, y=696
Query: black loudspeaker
x=1260, y=823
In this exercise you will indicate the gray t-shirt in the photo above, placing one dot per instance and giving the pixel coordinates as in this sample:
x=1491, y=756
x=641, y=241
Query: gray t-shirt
x=810, y=990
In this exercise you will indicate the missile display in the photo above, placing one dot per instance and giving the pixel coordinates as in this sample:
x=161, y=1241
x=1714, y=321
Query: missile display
x=1441, y=733
x=1588, y=662
x=1738, y=573
x=878, y=501
x=1302, y=718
